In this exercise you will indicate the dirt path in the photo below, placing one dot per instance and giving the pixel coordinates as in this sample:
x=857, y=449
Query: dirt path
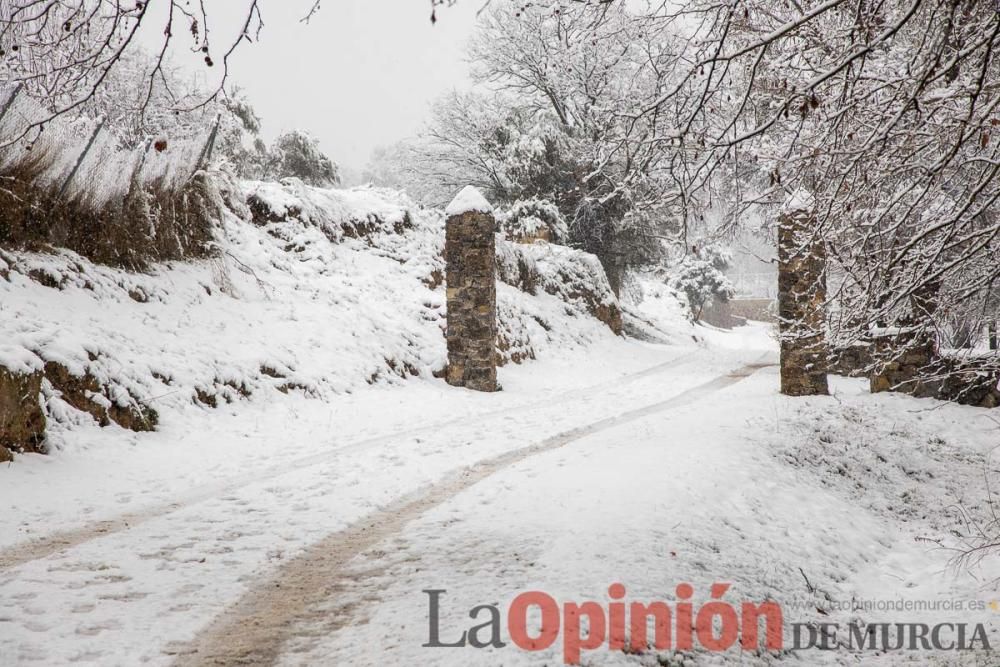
x=61, y=540
x=256, y=628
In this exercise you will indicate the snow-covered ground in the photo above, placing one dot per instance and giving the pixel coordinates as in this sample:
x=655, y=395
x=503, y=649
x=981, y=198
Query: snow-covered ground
x=697, y=494
x=301, y=520
x=280, y=476
x=718, y=482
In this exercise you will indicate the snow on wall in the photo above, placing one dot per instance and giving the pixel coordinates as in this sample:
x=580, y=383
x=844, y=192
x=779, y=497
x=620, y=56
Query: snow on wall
x=334, y=292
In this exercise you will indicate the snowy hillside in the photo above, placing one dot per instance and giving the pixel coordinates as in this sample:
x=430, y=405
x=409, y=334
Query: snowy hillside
x=315, y=292
x=312, y=296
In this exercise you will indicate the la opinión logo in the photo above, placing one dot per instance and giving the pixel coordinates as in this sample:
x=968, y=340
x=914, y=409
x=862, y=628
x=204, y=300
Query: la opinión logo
x=715, y=625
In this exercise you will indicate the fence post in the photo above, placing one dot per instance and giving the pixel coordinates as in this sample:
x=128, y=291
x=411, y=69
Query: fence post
x=801, y=300
x=79, y=161
x=470, y=257
x=206, y=151
x=137, y=172
x=10, y=101
x=135, y=181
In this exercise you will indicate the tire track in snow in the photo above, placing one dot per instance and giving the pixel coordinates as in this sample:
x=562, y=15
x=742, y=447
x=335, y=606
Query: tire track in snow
x=255, y=629
x=61, y=540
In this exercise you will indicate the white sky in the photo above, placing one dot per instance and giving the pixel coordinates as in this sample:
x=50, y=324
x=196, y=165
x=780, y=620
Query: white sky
x=361, y=74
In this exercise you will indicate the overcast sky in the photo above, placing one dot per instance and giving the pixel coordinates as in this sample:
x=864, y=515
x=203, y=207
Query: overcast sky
x=359, y=75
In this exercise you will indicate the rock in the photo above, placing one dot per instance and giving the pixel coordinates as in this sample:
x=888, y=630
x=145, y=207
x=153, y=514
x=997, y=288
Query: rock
x=22, y=422
x=86, y=394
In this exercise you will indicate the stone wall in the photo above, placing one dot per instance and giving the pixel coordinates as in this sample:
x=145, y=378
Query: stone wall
x=22, y=422
x=850, y=360
x=470, y=249
x=903, y=363
x=736, y=312
x=801, y=297
x=969, y=381
x=909, y=361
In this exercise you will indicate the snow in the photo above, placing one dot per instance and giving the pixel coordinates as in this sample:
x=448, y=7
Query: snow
x=882, y=332
x=469, y=199
x=305, y=468
x=331, y=209
x=17, y=359
x=799, y=200
x=675, y=497
x=644, y=463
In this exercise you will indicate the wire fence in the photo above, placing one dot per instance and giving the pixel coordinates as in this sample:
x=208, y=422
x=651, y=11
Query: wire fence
x=82, y=159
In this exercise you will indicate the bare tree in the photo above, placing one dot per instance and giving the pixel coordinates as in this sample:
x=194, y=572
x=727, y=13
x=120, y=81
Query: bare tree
x=562, y=78
x=64, y=52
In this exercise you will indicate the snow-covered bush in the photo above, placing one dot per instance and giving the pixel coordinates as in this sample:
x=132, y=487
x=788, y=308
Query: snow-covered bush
x=533, y=220
x=572, y=275
x=701, y=282
x=297, y=154
x=719, y=257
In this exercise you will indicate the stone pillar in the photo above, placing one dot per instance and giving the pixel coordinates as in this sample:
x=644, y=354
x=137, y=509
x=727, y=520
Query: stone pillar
x=470, y=256
x=801, y=297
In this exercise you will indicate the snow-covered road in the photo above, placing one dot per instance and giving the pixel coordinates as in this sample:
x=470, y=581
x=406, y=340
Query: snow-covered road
x=135, y=584
x=283, y=546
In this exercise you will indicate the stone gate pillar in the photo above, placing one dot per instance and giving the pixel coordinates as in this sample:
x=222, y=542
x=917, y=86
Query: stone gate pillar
x=470, y=256
x=801, y=297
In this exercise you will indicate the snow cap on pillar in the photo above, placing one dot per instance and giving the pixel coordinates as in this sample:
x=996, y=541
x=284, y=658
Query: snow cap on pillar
x=469, y=200
x=800, y=200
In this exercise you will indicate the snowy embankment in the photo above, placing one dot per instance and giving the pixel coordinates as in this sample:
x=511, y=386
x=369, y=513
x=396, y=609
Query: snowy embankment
x=318, y=304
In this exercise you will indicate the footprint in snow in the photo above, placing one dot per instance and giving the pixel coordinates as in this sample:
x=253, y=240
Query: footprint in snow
x=94, y=629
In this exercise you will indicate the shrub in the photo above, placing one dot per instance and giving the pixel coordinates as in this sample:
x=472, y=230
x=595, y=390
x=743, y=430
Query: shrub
x=702, y=283
x=534, y=219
